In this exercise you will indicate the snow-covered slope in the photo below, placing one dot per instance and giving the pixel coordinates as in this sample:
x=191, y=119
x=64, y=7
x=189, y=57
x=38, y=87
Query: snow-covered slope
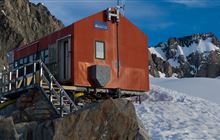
x=206, y=88
x=170, y=115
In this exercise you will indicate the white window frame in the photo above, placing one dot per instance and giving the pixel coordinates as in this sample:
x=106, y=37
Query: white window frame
x=100, y=50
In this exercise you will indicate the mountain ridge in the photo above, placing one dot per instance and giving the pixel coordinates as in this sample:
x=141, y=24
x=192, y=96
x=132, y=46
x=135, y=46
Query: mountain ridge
x=197, y=55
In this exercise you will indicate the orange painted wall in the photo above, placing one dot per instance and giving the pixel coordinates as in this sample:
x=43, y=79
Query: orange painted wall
x=133, y=53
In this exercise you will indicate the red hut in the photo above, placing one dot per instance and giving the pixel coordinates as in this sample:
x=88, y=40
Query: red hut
x=104, y=50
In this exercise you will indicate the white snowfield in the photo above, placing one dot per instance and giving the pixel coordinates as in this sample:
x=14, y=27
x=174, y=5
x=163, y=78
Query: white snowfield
x=171, y=115
x=206, y=88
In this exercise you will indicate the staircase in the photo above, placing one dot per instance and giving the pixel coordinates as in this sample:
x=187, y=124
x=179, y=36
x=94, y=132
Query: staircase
x=20, y=79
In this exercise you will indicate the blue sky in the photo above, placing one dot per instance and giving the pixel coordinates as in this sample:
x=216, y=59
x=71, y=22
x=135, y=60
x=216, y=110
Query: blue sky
x=159, y=19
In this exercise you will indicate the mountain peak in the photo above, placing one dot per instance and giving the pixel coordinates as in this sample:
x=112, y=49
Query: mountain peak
x=188, y=56
x=188, y=40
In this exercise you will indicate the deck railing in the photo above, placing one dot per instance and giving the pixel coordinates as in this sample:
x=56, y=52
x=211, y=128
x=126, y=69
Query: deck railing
x=32, y=74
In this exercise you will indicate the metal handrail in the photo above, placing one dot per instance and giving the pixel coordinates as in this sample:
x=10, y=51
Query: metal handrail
x=43, y=70
x=53, y=91
x=58, y=85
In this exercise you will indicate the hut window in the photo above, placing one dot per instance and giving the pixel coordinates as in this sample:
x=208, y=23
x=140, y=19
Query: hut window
x=46, y=59
x=31, y=58
x=42, y=55
x=35, y=56
x=21, y=62
x=100, y=50
x=16, y=64
x=25, y=60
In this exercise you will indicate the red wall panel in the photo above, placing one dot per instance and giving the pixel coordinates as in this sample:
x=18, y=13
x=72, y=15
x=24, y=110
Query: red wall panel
x=132, y=53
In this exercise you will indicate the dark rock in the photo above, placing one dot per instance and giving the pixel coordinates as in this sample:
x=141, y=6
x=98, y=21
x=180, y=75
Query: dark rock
x=30, y=106
x=152, y=67
x=168, y=69
x=181, y=59
x=107, y=120
x=26, y=130
x=213, y=70
x=154, y=72
x=111, y=119
x=8, y=110
x=202, y=72
x=7, y=129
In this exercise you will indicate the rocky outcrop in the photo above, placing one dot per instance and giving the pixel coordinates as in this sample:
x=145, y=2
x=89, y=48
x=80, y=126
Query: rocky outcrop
x=197, y=55
x=22, y=22
x=7, y=129
x=157, y=65
x=107, y=120
x=31, y=106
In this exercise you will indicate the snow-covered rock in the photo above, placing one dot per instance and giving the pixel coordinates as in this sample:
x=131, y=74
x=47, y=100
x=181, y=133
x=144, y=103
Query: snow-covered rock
x=196, y=55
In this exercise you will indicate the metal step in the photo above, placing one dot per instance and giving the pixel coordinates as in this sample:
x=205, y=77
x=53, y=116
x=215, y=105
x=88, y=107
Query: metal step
x=65, y=87
x=47, y=87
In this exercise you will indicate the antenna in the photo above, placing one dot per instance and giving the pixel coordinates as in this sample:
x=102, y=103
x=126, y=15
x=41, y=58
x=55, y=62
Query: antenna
x=121, y=6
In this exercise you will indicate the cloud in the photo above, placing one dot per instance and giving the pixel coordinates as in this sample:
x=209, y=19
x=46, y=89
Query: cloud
x=196, y=3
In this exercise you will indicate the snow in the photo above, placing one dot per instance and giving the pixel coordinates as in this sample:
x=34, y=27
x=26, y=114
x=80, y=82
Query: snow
x=162, y=75
x=158, y=51
x=3, y=12
x=174, y=63
x=170, y=115
x=181, y=109
x=180, y=50
x=206, y=46
x=203, y=46
x=206, y=88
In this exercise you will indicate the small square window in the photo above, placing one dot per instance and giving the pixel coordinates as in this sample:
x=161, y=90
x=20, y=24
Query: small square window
x=46, y=60
x=31, y=58
x=21, y=62
x=34, y=56
x=46, y=53
x=25, y=60
x=42, y=54
x=16, y=64
x=100, y=50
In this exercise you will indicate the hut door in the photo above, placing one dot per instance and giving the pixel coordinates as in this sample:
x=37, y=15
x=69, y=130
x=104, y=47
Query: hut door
x=64, y=59
x=53, y=59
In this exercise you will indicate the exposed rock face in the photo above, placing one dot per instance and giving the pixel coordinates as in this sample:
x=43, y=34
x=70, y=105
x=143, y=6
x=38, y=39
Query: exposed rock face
x=22, y=22
x=191, y=56
x=108, y=120
x=7, y=129
x=31, y=106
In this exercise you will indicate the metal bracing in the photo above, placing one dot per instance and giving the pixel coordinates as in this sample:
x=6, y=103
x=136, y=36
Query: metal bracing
x=37, y=74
